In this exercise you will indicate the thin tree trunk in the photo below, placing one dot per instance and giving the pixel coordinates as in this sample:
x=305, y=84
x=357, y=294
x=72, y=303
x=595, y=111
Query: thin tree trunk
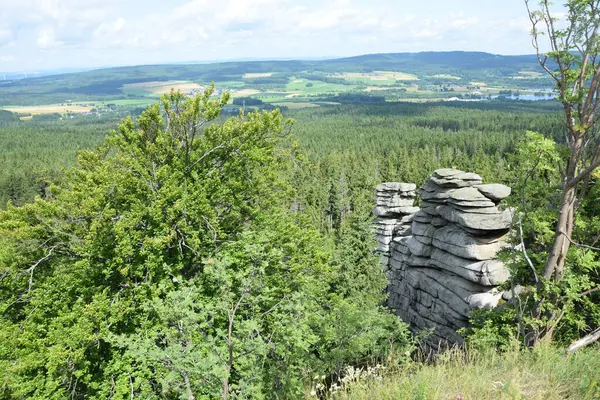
x=564, y=229
x=188, y=387
x=555, y=263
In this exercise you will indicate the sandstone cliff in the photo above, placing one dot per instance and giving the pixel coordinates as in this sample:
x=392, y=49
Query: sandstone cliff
x=441, y=258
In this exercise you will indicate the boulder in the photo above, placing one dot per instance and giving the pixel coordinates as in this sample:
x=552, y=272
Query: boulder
x=464, y=179
x=482, y=301
x=456, y=241
x=468, y=194
x=481, y=222
x=447, y=172
x=396, y=187
x=494, y=191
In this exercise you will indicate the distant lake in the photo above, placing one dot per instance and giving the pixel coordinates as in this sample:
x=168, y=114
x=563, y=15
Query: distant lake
x=524, y=97
x=528, y=97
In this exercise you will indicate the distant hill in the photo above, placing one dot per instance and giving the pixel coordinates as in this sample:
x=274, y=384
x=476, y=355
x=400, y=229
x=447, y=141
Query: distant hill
x=108, y=82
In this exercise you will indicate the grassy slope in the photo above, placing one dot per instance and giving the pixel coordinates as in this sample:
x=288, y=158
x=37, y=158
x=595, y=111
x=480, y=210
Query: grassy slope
x=545, y=374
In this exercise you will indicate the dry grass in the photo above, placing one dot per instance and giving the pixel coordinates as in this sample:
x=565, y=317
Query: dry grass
x=447, y=76
x=251, y=75
x=528, y=75
x=293, y=105
x=376, y=88
x=244, y=92
x=379, y=76
x=49, y=109
x=162, y=87
x=545, y=373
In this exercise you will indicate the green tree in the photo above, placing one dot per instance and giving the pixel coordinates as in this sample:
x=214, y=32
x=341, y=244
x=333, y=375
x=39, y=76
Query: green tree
x=573, y=64
x=169, y=264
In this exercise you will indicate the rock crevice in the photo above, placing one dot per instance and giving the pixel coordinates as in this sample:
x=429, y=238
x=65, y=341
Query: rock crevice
x=440, y=259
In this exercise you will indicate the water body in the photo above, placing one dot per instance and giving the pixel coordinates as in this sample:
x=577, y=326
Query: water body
x=524, y=97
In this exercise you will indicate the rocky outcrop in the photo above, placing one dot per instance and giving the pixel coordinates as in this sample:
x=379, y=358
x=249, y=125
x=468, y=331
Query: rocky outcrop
x=393, y=210
x=441, y=259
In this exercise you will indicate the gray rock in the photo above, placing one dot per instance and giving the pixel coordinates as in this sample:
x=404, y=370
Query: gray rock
x=481, y=222
x=475, y=210
x=464, y=179
x=486, y=273
x=434, y=192
x=429, y=208
x=402, y=230
x=422, y=216
x=447, y=172
x=421, y=229
x=450, y=183
x=417, y=248
x=509, y=295
x=396, y=186
x=396, y=201
x=460, y=243
x=482, y=301
x=426, y=240
x=381, y=211
x=494, y=191
x=468, y=194
x=457, y=204
x=438, y=222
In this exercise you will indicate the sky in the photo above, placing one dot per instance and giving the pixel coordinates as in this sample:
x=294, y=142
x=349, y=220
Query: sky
x=47, y=34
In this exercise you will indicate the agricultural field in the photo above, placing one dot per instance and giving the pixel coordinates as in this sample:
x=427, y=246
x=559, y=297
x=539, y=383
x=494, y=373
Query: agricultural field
x=378, y=76
x=529, y=75
x=251, y=75
x=160, y=88
x=392, y=77
x=28, y=112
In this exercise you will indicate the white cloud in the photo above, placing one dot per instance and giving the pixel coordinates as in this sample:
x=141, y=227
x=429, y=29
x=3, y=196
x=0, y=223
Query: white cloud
x=7, y=58
x=97, y=32
x=46, y=39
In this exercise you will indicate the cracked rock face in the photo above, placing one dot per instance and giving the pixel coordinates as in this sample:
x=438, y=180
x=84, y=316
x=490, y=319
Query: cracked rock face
x=441, y=259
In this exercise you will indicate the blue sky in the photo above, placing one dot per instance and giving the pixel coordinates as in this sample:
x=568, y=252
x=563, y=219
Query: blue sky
x=47, y=34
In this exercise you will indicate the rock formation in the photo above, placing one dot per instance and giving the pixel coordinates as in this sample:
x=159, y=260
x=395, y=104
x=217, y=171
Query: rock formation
x=440, y=259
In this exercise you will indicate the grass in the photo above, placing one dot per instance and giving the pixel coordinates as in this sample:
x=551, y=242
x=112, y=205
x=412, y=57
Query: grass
x=371, y=77
x=545, y=373
x=318, y=87
x=251, y=75
x=130, y=102
x=161, y=87
x=446, y=76
x=296, y=105
x=49, y=109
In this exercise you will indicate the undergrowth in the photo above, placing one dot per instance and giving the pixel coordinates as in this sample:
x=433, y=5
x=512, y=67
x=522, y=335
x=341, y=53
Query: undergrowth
x=545, y=372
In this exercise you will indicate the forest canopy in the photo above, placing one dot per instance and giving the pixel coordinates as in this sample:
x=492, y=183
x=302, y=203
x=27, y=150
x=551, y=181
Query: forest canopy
x=170, y=262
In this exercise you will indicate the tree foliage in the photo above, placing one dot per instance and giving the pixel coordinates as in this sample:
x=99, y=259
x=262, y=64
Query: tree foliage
x=169, y=264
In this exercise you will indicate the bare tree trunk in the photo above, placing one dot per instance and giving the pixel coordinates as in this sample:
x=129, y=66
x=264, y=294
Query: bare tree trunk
x=585, y=341
x=555, y=263
x=188, y=387
x=564, y=229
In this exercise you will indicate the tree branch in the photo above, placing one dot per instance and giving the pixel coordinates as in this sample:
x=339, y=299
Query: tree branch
x=584, y=341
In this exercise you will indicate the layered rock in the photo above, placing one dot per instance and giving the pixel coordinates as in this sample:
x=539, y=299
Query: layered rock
x=393, y=210
x=444, y=265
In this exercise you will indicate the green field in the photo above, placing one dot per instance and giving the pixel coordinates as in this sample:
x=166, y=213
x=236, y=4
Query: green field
x=422, y=74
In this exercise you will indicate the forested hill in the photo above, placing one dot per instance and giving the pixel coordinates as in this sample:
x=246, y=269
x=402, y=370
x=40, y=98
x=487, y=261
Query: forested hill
x=452, y=67
x=437, y=62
